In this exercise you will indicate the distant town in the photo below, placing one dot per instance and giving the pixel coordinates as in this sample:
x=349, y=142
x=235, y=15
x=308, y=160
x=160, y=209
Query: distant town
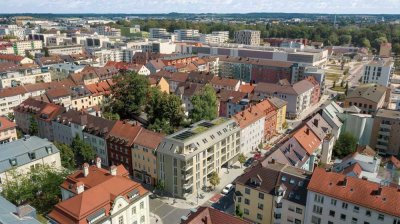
x=199, y=118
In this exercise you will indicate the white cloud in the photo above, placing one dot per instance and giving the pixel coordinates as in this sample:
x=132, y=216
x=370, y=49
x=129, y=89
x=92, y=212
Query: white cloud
x=194, y=6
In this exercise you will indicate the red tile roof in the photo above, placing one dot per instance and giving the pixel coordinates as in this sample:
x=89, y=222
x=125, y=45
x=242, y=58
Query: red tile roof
x=11, y=57
x=100, y=191
x=212, y=216
x=6, y=124
x=246, y=88
x=149, y=139
x=100, y=88
x=124, y=131
x=355, y=168
x=307, y=139
x=216, y=80
x=248, y=116
x=384, y=199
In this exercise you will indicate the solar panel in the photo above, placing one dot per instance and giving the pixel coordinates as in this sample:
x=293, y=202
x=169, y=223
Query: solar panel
x=184, y=135
x=206, y=124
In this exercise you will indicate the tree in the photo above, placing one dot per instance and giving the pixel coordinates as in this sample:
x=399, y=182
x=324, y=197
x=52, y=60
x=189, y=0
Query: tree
x=241, y=159
x=40, y=188
x=164, y=111
x=344, y=39
x=33, y=127
x=204, y=105
x=396, y=49
x=345, y=145
x=11, y=116
x=238, y=211
x=111, y=116
x=129, y=94
x=67, y=155
x=365, y=43
x=333, y=39
x=214, y=179
x=82, y=151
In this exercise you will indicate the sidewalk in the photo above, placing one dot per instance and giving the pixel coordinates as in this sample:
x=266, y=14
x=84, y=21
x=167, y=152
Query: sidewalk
x=155, y=219
x=226, y=175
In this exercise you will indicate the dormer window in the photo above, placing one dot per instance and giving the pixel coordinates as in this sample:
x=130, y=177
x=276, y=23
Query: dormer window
x=13, y=162
x=49, y=150
x=32, y=155
x=283, y=178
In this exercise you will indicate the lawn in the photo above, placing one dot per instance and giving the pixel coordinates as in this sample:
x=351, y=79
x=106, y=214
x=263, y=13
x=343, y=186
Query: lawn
x=339, y=89
x=332, y=76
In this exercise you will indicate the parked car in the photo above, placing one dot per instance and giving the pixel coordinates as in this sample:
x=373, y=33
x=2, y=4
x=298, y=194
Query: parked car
x=228, y=188
x=248, y=162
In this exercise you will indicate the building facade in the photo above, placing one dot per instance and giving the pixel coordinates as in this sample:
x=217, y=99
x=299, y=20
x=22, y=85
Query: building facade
x=247, y=37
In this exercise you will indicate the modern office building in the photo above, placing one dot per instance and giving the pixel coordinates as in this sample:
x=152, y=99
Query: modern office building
x=248, y=37
x=385, y=137
x=378, y=71
x=187, y=35
x=188, y=157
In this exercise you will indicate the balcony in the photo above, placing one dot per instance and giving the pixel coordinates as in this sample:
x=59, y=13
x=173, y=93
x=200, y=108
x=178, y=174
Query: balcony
x=188, y=184
x=384, y=133
x=383, y=147
x=387, y=126
x=383, y=140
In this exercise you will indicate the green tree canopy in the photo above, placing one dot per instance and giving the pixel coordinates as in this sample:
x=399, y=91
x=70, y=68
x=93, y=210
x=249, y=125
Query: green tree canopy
x=40, y=188
x=83, y=151
x=345, y=145
x=214, y=179
x=33, y=126
x=241, y=159
x=67, y=155
x=204, y=105
x=129, y=94
x=344, y=39
x=164, y=111
x=365, y=43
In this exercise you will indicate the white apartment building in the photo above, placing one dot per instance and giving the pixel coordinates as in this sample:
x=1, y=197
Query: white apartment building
x=247, y=37
x=24, y=76
x=118, y=199
x=161, y=33
x=105, y=55
x=24, y=154
x=378, y=71
x=107, y=31
x=65, y=50
x=251, y=122
x=20, y=47
x=216, y=37
x=337, y=198
x=187, y=158
x=187, y=35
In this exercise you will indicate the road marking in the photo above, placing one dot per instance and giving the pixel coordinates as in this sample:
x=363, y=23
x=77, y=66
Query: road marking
x=156, y=208
x=169, y=213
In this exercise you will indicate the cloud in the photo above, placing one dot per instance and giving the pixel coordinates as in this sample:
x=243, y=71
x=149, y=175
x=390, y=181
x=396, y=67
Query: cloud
x=204, y=6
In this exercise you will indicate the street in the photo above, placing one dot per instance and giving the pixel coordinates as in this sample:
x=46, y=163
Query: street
x=167, y=213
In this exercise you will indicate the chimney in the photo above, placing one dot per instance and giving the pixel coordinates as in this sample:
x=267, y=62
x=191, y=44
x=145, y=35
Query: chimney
x=85, y=169
x=344, y=182
x=379, y=191
x=98, y=162
x=113, y=170
x=80, y=187
x=364, y=178
x=308, y=131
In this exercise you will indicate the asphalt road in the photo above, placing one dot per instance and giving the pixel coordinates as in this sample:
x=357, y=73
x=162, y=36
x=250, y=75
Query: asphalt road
x=226, y=204
x=167, y=213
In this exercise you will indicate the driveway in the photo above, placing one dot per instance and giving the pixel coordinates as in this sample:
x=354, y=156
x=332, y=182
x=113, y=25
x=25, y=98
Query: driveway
x=167, y=213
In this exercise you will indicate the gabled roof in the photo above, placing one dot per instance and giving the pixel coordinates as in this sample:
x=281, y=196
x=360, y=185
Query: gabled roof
x=248, y=116
x=212, y=216
x=319, y=126
x=39, y=109
x=371, y=195
x=372, y=92
x=6, y=124
x=231, y=96
x=125, y=131
x=307, y=139
x=246, y=88
x=149, y=139
x=221, y=81
x=100, y=88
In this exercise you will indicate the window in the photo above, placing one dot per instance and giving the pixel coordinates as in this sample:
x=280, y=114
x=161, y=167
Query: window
x=239, y=199
x=315, y=220
x=345, y=205
x=247, y=190
x=368, y=213
x=142, y=219
x=342, y=216
x=381, y=217
x=332, y=213
x=319, y=198
x=121, y=220
x=141, y=205
x=317, y=209
x=247, y=201
x=277, y=215
x=246, y=211
x=299, y=211
x=291, y=208
x=333, y=202
x=133, y=210
x=354, y=220
x=259, y=216
x=260, y=206
x=356, y=209
x=330, y=222
x=297, y=221
x=260, y=195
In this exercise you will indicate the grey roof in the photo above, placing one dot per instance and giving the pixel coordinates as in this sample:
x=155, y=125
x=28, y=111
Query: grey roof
x=22, y=149
x=352, y=110
x=393, y=114
x=319, y=126
x=7, y=214
x=372, y=92
x=278, y=103
x=296, y=89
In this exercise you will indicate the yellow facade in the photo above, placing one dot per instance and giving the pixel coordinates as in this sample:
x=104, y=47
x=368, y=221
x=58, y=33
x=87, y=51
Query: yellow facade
x=280, y=118
x=144, y=163
x=252, y=204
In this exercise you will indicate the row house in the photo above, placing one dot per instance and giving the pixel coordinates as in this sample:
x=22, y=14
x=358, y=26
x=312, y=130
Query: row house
x=270, y=124
x=15, y=59
x=337, y=198
x=43, y=113
x=93, y=195
x=92, y=129
x=298, y=96
x=252, y=122
x=272, y=193
x=220, y=83
x=280, y=108
x=22, y=75
x=174, y=79
x=8, y=132
x=232, y=102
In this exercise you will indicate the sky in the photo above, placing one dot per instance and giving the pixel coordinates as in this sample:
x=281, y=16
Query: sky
x=201, y=6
